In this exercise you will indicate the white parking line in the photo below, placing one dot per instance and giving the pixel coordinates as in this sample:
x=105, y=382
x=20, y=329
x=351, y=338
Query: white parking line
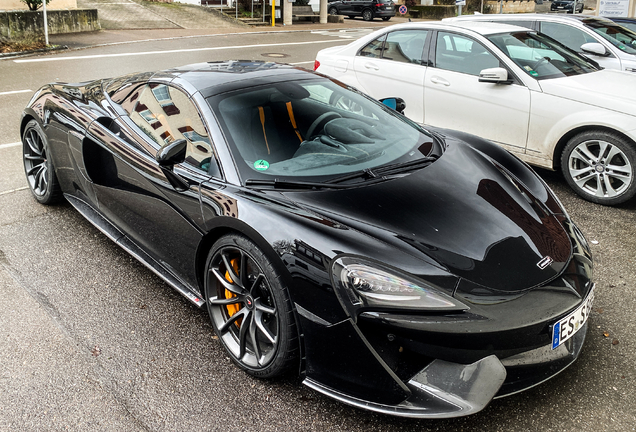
x=13, y=190
x=15, y=144
x=48, y=59
x=14, y=92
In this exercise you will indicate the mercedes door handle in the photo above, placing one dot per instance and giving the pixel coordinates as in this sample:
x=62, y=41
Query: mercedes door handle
x=371, y=66
x=438, y=80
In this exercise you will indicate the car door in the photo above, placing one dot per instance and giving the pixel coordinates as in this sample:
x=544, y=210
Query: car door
x=573, y=37
x=158, y=213
x=394, y=66
x=455, y=99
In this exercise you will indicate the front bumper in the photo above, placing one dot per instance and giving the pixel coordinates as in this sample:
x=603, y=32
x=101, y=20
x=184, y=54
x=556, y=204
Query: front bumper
x=442, y=389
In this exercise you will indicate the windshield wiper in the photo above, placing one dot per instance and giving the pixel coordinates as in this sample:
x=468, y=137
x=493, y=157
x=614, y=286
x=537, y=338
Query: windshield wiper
x=290, y=184
x=382, y=172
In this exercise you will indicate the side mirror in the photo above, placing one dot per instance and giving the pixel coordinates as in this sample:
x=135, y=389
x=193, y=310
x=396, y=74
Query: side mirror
x=168, y=156
x=394, y=103
x=594, y=48
x=172, y=153
x=494, y=75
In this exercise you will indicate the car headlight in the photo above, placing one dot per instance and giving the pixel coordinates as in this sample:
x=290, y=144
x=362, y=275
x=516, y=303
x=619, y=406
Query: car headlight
x=362, y=284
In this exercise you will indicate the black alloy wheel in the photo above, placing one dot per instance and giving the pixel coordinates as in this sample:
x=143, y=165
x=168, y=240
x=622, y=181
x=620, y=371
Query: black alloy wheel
x=600, y=166
x=250, y=309
x=38, y=166
x=333, y=11
x=367, y=15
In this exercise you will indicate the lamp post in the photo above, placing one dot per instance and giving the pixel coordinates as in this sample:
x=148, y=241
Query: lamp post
x=46, y=24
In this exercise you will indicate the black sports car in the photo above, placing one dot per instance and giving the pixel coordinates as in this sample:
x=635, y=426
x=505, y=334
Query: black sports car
x=402, y=269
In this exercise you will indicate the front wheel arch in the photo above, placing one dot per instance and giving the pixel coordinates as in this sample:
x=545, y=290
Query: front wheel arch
x=563, y=141
x=226, y=226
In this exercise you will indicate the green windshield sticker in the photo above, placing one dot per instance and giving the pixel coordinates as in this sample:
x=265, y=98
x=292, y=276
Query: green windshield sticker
x=533, y=73
x=261, y=165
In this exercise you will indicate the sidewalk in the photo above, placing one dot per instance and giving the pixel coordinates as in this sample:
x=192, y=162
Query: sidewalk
x=115, y=36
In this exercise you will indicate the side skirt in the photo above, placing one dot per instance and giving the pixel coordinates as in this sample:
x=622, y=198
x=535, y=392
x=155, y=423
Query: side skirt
x=102, y=224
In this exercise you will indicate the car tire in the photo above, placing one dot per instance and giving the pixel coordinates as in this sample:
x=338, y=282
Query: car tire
x=600, y=167
x=250, y=308
x=386, y=18
x=38, y=165
x=367, y=15
x=333, y=11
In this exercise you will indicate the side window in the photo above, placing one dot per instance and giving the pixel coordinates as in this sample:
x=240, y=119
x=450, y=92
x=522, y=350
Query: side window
x=165, y=114
x=373, y=49
x=569, y=36
x=462, y=54
x=405, y=46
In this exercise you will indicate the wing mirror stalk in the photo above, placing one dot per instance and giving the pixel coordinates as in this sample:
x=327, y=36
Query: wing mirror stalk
x=170, y=155
x=494, y=76
x=395, y=103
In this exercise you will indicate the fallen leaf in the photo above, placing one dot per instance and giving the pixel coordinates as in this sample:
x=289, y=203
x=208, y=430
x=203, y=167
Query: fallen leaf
x=615, y=342
x=599, y=310
x=606, y=334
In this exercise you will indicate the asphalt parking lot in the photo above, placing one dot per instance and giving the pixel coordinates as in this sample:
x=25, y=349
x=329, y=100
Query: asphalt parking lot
x=92, y=340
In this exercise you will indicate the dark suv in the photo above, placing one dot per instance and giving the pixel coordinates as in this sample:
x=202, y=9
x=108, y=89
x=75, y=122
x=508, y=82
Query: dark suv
x=566, y=5
x=367, y=9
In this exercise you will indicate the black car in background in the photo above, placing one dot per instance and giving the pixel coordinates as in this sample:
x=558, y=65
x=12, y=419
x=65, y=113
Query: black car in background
x=367, y=9
x=566, y=5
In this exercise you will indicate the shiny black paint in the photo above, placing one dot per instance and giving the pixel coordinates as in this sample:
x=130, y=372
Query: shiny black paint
x=474, y=224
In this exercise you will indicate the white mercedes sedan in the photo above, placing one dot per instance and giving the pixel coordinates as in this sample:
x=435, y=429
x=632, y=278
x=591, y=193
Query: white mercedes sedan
x=545, y=103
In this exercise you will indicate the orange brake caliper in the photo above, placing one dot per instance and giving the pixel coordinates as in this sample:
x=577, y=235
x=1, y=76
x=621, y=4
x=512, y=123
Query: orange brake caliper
x=232, y=308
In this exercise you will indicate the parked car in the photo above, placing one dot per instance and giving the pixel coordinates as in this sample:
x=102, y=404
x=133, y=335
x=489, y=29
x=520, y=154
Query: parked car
x=609, y=44
x=628, y=23
x=367, y=9
x=406, y=270
x=536, y=98
x=566, y=5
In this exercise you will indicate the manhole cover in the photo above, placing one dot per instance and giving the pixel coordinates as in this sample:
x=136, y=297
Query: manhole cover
x=275, y=55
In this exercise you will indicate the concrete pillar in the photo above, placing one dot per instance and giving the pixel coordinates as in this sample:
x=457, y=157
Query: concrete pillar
x=323, y=11
x=286, y=11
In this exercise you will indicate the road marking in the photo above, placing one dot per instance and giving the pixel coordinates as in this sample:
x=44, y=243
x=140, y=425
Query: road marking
x=15, y=144
x=48, y=59
x=13, y=190
x=14, y=92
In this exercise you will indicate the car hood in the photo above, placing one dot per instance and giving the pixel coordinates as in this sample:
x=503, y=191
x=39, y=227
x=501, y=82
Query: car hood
x=464, y=212
x=610, y=89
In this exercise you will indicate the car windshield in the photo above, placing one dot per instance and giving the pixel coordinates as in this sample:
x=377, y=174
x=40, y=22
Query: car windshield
x=313, y=128
x=622, y=38
x=540, y=57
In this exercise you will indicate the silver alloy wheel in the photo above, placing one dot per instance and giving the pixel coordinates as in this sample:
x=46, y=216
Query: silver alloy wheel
x=243, y=310
x=600, y=168
x=35, y=162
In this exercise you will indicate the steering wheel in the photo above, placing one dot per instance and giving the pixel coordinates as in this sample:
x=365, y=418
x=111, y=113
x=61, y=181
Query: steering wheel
x=322, y=119
x=540, y=61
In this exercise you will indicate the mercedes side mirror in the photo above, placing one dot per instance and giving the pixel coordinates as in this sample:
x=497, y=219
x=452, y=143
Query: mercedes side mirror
x=494, y=75
x=594, y=48
x=396, y=104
